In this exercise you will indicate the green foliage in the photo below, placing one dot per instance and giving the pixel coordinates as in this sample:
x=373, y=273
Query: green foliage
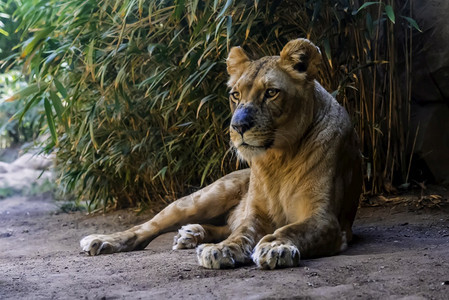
x=6, y=192
x=16, y=127
x=9, y=37
x=135, y=96
x=39, y=188
x=71, y=206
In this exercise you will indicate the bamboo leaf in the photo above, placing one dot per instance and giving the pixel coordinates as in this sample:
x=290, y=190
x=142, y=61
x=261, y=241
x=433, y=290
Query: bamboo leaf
x=366, y=4
x=327, y=50
x=228, y=31
x=413, y=23
x=194, y=7
x=60, y=87
x=225, y=8
x=316, y=10
x=57, y=104
x=161, y=173
x=390, y=13
x=206, y=170
x=248, y=28
x=51, y=57
x=21, y=113
x=140, y=7
x=29, y=90
x=92, y=134
x=59, y=108
x=81, y=130
x=35, y=40
x=184, y=58
x=369, y=25
x=90, y=61
x=179, y=10
x=5, y=33
x=121, y=76
x=219, y=27
x=204, y=101
x=50, y=121
x=205, y=73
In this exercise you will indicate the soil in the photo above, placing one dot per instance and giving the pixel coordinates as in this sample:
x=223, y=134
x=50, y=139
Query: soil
x=401, y=251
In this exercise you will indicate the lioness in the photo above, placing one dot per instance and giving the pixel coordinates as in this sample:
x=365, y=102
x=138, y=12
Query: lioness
x=300, y=195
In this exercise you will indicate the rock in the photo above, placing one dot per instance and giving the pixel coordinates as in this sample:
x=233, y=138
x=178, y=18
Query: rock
x=430, y=87
x=430, y=59
x=432, y=143
x=24, y=171
x=6, y=168
x=34, y=161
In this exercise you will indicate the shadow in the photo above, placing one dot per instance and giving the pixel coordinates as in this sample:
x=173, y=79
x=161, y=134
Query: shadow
x=396, y=238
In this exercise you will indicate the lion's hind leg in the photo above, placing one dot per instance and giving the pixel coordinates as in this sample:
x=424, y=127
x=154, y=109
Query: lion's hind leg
x=96, y=244
x=206, y=204
x=191, y=235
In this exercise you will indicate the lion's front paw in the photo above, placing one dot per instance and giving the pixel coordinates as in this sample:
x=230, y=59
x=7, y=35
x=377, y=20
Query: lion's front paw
x=271, y=253
x=220, y=256
x=189, y=236
x=96, y=244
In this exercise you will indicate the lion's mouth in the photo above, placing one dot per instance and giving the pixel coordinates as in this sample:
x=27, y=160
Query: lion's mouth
x=247, y=151
x=248, y=146
x=245, y=145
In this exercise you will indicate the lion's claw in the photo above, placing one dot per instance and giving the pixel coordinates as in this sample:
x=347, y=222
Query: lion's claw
x=276, y=254
x=188, y=237
x=220, y=256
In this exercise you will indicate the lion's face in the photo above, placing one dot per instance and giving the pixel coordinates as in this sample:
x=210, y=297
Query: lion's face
x=271, y=98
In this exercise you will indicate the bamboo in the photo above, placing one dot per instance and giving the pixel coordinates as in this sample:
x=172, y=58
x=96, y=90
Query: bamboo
x=134, y=79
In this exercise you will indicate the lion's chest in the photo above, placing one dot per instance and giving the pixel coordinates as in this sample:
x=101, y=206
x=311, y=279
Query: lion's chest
x=282, y=194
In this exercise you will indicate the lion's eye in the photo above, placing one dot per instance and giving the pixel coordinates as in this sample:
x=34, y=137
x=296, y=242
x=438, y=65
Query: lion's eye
x=271, y=93
x=235, y=96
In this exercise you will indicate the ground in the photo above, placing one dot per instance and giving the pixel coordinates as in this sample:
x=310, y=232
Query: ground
x=401, y=250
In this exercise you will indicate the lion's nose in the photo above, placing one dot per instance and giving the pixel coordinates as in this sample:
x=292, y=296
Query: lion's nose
x=241, y=128
x=242, y=120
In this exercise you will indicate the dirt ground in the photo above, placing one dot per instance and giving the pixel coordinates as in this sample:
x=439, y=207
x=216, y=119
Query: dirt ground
x=400, y=252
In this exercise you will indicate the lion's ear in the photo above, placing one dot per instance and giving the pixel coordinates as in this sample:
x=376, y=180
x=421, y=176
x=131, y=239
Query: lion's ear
x=236, y=62
x=301, y=56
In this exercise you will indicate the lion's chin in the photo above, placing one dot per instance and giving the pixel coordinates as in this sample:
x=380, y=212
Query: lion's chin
x=248, y=152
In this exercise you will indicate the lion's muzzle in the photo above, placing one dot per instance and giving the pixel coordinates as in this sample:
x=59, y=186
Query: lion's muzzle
x=243, y=119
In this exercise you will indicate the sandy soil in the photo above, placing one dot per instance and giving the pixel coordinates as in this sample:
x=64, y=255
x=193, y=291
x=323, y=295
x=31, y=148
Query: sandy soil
x=400, y=252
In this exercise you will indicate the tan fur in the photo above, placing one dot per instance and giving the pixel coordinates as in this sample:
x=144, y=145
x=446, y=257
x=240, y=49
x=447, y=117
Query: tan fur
x=300, y=195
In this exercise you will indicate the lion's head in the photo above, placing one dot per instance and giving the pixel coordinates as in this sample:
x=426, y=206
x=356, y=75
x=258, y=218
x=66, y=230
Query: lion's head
x=272, y=98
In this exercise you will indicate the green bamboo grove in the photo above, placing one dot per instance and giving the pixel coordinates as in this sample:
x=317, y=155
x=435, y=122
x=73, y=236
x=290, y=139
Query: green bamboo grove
x=134, y=91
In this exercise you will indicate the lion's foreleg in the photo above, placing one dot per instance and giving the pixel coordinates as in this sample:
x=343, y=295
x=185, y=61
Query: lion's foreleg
x=237, y=248
x=191, y=235
x=208, y=203
x=316, y=236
